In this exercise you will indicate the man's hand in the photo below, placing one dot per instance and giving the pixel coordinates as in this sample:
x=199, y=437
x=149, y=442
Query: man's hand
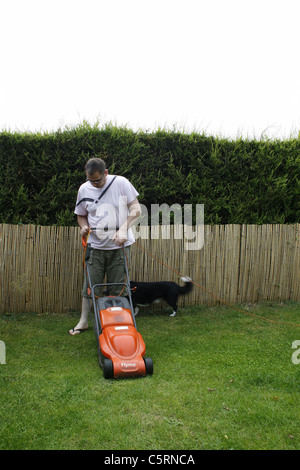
x=84, y=230
x=119, y=238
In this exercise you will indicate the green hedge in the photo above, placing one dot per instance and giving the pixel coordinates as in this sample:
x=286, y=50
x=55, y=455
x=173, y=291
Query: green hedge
x=241, y=181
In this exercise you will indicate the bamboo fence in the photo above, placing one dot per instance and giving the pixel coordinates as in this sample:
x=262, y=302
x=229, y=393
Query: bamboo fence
x=41, y=268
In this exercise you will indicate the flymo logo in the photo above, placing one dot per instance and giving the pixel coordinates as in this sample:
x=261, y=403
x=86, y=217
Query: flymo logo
x=128, y=365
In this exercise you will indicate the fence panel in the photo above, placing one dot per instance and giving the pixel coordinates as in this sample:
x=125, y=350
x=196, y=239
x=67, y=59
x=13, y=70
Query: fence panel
x=41, y=268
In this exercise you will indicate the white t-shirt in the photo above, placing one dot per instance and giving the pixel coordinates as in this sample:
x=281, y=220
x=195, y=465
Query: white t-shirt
x=109, y=214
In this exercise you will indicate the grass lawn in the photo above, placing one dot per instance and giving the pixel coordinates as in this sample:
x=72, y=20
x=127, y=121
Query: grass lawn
x=222, y=380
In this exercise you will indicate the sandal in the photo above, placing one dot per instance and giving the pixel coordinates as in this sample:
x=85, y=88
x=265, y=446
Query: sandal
x=76, y=331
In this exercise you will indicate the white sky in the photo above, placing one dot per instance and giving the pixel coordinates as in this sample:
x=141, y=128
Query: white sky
x=226, y=67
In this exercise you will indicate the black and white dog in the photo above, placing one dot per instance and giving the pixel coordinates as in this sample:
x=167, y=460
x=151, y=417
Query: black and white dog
x=146, y=293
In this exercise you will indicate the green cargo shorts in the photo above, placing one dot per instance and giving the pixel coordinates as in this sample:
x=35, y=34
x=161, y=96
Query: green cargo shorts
x=111, y=263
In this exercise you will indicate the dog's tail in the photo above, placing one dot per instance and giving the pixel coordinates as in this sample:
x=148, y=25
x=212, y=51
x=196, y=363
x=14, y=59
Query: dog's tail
x=188, y=286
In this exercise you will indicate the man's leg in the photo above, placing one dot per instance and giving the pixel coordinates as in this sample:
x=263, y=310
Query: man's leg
x=84, y=317
x=97, y=269
x=116, y=270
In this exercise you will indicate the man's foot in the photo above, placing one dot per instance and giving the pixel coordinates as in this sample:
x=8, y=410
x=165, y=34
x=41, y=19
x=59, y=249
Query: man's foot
x=77, y=331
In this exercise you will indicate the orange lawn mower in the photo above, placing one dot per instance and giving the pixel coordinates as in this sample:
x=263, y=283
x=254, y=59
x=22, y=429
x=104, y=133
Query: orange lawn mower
x=121, y=348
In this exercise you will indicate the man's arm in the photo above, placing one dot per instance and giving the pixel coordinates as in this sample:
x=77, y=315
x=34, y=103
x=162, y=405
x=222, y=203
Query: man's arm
x=83, y=224
x=134, y=209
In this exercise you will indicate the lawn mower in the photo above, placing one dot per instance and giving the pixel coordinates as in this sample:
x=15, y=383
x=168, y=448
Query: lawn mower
x=121, y=348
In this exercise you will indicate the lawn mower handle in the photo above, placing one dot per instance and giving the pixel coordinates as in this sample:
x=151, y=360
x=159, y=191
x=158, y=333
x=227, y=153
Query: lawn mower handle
x=88, y=249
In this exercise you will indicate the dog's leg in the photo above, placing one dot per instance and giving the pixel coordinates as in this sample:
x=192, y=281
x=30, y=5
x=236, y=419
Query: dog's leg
x=136, y=311
x=173, y=304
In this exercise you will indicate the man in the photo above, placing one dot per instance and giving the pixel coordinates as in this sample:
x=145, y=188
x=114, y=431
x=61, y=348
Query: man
x=109, y=204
